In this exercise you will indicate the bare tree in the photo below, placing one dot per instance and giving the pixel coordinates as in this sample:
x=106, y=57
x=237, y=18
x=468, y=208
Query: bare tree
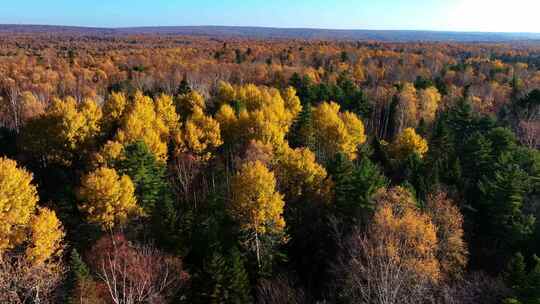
x=279, y=290
x=137, y=273
x=529, y=133
x=21, y=282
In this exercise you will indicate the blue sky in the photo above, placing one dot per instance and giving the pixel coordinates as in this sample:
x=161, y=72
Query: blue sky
x=462, y=15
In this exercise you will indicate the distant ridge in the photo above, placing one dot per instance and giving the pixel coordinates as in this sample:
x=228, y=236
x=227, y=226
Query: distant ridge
x=275, y=33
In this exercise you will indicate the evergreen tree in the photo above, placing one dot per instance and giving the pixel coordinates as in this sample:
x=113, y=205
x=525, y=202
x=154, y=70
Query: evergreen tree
x=147, y=174
x=229, y=279
x=184, y=87
x=303, y=133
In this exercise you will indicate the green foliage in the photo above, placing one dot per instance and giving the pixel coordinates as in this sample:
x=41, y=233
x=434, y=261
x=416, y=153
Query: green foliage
x=355, y=184
x=525, y=283
x=147, y=174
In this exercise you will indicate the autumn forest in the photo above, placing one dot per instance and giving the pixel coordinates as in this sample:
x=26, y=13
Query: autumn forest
x=192, y=169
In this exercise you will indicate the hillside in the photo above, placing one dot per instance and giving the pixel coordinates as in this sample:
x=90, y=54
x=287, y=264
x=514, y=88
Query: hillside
x=277, y=33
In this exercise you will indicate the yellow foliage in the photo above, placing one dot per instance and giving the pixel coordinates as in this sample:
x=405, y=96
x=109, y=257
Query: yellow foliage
x=167, y=113
x=267, y=117
x=202, y=134
x=226, y=93
x=228, y=121
x=46, y=235
x=298, y=174
x=408, y=143
x=144, y=122
x=75, y=124
x=32, y=107
x=337, y=132
x=429, y=103
x=452, y=252
x=114, y=107
x=108, y=199
x=188, y=102
x=404, y=235
x=255, y=204
x=111, y=151
x=18, y=198
x=407, y=110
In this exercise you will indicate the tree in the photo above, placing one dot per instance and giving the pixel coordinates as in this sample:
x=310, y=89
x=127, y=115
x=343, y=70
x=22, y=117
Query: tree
x=201, y=135
x=336, y=132
x=407, y=108
x=300, y=176
x=395, y=260
x=18, y=199
x=229, y=279
x=187, y=103
x=135, y=273
x=452, y=250
x=525, y=283
x=46, y=236
x=108, y=199
x=429, y=102
x=64, y=132
x=146, y=173
x=144, y=122
x=408, y=143
x=255, y=203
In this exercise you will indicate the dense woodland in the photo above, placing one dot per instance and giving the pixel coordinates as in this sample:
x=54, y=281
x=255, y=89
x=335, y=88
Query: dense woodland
x=171, y=169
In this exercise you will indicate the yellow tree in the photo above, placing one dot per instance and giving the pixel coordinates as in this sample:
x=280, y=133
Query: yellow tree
x=407, y=237
x=395, y=260
x=19, y=222
x=18, y=199
x=108, y=199
x=187, y=103
x=299, y=174
x=430, y=99
x=255, y=203
x=143, y=122
x=166, y=112
x=76, y=124
x=336, y=132
x=265, y=114
x=201, y=135
x=114, y=108
x=407, y=143
x=46, y=235
x=226, y=93
x=452, y=250
x=407, y=109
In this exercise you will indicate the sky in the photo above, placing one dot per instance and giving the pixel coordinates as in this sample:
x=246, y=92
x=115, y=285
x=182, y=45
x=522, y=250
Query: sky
x=453, y=15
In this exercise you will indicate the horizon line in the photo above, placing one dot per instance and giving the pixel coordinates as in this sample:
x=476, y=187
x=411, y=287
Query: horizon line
x=266, y=27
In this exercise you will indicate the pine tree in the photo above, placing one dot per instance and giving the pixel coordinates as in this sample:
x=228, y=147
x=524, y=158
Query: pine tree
x=303, y=132
x=240, y=289
x=147, y=174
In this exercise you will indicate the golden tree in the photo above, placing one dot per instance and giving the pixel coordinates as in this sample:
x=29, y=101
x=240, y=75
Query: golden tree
x=452, y=250
x=114, y=107
x=144, y=122
x=407, y=109
x=201, y=135
x=266, y=114
x=108, y=199
x=407, y=143
x=255, y=203
x=187, y=103
x=18, y=199
x=337, y=132
x=299, y=174
x=46, y=235
x=429, y=103
x=395, y=260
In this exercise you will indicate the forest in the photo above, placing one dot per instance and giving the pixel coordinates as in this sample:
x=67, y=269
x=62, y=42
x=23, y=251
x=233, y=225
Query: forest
x=191, y=169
